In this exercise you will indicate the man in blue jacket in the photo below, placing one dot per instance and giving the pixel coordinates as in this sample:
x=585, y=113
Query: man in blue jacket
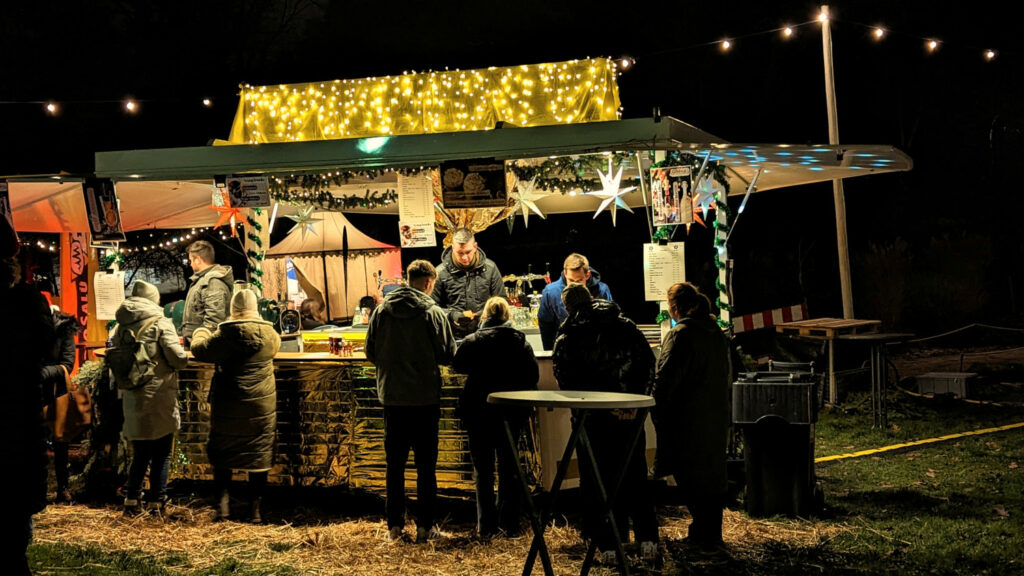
x=408, y=338
x=576, y=270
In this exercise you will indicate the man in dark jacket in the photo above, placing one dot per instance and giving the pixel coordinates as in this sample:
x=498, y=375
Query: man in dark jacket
x=408, y=338
x=209, y=291
x=466, y=278
x=600, y=349
x=692, y=411
x=576, y=270
x=24, y=482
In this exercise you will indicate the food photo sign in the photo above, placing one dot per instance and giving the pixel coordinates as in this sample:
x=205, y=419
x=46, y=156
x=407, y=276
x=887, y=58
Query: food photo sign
x=476, y=183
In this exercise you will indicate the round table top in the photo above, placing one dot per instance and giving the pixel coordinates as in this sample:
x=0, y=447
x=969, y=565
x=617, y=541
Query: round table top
x=877, y=337
x=571, y=399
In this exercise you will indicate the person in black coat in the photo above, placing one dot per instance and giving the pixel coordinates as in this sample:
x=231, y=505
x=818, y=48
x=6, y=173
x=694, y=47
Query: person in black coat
x=60, y=359
x=496, y=358
x=691, y=388
x=23, y=482
x=466, y=278
x=598, y=348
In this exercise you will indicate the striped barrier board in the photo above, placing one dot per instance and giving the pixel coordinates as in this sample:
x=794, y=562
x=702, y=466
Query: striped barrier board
x=769, y=318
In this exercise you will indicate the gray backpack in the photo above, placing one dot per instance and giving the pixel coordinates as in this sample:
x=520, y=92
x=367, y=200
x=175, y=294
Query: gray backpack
x=129, y=359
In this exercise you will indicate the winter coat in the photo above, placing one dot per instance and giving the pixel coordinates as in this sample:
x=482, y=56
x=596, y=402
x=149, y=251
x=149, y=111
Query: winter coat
x=243, y=393
x=692, y=413
x=600, y=349
x=495, y=358
x=60, y=357
x=28, y=318
x=151, y=410
x=208, y=300
x=552, y=312
x=408, y=338
x=458, y=290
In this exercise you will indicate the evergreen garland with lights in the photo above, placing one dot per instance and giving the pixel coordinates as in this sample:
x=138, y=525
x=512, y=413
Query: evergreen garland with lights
x=565, y=173
x=254, y=258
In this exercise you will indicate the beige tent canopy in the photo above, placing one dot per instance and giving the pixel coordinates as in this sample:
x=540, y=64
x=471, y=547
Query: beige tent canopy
x=335, y=257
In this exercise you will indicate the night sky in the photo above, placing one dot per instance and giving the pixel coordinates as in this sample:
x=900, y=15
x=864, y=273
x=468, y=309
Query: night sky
x=931, y=248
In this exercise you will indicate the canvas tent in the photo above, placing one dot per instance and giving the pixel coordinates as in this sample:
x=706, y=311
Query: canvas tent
x=335, y=257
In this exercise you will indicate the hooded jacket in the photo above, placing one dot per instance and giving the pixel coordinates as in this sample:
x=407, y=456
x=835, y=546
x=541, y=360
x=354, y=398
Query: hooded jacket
x=552, y=312
x=151, y=410
x=600, y=349
x=243, y=392
x=208, y=300
x=458, y=289
x=408, y=338
x=495, y=358
x=692, y=412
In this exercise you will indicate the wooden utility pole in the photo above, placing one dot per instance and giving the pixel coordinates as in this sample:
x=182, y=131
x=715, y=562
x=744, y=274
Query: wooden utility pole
x=837, y=184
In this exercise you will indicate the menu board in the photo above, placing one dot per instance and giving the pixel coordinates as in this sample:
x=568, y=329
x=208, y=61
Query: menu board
x=108, y=288
x=416, y=211
x=477, y=183
x=664, y=265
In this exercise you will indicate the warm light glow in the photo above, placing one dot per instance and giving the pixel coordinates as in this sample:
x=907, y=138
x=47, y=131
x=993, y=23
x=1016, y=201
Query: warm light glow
x=51, y=108
x=990, y=54
x=131, y=106
x=207, y=102
x=450, y=101
x=787, y=32
x=879, y=33
x=822, y=17
x=726, y=44
x=626, y=62
x=932, y=45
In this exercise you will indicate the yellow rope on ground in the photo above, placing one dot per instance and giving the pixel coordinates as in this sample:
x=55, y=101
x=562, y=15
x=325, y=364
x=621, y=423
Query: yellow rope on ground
x=917, y=443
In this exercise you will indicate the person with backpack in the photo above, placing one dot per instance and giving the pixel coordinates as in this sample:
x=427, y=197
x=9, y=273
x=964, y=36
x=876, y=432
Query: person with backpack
x=145, y=360
x=243, y=399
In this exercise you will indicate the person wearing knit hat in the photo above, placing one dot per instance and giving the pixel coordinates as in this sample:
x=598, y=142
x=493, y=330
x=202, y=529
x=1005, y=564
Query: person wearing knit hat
x=143, y=289
x=151, y=414
x=243, y=399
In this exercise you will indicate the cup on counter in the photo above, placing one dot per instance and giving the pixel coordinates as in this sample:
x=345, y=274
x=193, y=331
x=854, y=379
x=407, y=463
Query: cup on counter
x=332, y=345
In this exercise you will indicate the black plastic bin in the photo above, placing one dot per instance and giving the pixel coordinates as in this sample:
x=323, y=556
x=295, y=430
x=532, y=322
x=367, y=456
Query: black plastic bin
x=776, y=412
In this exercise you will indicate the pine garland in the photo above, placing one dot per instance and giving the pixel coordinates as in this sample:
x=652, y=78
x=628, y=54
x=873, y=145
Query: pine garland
x=565, y=173
x=254, y=258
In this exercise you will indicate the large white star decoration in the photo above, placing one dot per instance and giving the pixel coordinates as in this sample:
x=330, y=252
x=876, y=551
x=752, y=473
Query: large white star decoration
x=611, y=192
x=526, y=200
x=705, y=193
x=304, y=221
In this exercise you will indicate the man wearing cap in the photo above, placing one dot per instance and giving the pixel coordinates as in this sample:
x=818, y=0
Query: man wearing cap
x=151, y=410
x=466, y=278
x=24, y=481
x=209, y=292
x=576, y=270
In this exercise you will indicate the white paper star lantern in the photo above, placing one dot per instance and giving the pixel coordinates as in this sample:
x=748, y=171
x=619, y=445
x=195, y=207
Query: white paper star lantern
x=304, y=221
x=611, y=192
x=526, y=199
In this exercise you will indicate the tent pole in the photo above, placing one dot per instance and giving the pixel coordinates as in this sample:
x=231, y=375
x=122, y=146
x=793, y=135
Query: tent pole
x=327, y=294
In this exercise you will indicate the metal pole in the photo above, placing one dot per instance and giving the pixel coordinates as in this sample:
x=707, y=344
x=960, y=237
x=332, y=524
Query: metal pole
x=837, y=184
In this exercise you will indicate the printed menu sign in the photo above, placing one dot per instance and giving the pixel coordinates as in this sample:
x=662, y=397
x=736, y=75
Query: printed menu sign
x=664, y=265
x=102, y=210
x=416, y=211
x=478, y=183
x=109, y=291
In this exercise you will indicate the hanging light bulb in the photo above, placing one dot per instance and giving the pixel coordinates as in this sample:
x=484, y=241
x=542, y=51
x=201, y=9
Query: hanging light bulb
x=207, y=102
x=787, y=32
x=878, y=32
x=990, y=55
x=726, y=45
x=131, y=106
x=932, y=45
x=51, y=108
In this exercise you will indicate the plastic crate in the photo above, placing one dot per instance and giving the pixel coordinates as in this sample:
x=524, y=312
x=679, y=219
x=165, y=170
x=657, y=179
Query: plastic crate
x=954, y=383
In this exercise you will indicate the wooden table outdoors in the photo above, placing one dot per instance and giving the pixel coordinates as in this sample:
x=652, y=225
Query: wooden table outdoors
x=828, y=329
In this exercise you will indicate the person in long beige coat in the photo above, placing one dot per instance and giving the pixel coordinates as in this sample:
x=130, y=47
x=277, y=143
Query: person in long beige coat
x=243, y=398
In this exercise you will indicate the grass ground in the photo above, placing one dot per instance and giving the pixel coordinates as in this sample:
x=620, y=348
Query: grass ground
x=952, y=507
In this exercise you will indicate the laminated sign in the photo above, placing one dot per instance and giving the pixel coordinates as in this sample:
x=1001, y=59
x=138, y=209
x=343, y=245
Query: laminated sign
x=478, y=183
x=103, y=210
x=248, y=191
x=671, y=196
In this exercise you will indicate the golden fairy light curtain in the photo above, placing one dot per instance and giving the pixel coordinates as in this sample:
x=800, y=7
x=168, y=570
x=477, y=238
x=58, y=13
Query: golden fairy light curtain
x=450, y=101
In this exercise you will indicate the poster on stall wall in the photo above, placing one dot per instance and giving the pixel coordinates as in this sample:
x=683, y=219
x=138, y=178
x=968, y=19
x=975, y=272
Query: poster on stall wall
x=248, y=191
x=478, y=183
x=664, y=265
x=416, y=211
x=671, y=196
x=102, y=209
x=5, y=204
x=108, y=287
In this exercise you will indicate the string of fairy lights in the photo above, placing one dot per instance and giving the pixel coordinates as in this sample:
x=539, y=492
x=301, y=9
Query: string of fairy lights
x=373, y=97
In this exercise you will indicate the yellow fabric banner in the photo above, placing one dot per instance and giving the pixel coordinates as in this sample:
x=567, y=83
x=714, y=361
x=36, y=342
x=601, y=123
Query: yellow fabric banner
x=451, y=101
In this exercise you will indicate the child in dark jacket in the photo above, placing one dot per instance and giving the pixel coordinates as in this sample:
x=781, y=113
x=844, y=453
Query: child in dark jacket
x=496, y=358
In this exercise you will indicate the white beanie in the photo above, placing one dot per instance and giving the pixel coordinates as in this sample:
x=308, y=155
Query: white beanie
x=243, y=304
x=144, y=289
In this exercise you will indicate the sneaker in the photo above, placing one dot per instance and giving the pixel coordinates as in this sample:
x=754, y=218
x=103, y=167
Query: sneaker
x=648, y=551
x=157, y=508
x=422, y=534
x=394, y=534
x=132, y=507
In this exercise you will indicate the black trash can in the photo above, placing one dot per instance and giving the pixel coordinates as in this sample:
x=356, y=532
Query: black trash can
x=776, y=412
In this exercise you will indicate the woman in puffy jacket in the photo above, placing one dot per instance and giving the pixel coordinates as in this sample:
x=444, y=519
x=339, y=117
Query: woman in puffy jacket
x=151, y=415
x=243, y=398
x=496, y=358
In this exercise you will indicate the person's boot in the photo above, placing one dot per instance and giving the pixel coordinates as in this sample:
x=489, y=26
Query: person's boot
x=254, y=510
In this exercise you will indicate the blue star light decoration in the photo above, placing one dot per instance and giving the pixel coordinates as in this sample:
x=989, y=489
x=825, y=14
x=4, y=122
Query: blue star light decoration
x=704, y=195
x=304, y=221
x=611, y=192
x=526, y=199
